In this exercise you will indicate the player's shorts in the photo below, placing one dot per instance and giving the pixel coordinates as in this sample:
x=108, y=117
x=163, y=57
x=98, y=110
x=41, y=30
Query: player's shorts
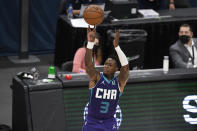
x=92, y=124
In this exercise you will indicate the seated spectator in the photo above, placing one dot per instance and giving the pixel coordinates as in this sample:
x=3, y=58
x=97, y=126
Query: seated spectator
x=184, y=48
x=79, y=58
x=152, y=4
x=163, y=4
x=173, y=4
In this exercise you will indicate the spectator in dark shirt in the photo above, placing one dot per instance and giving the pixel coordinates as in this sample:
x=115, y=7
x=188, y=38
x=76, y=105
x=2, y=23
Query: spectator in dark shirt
x=173, y=4
x=152, y=4
x=163, y=4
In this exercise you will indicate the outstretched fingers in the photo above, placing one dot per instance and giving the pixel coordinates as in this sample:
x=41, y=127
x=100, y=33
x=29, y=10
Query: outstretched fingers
x=94, y=29
x=91, y=30
x=88, y=29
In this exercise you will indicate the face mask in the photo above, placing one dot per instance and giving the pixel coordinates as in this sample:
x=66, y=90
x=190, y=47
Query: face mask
x=184, y=39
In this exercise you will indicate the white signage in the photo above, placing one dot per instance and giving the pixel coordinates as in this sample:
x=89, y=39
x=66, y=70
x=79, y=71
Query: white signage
x=190, y=108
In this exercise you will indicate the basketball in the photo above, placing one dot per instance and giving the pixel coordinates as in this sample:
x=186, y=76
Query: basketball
x=93, y=14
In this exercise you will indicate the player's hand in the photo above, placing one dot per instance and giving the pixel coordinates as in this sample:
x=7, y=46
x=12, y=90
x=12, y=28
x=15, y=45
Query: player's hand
x=91, y=34
x=116, y=39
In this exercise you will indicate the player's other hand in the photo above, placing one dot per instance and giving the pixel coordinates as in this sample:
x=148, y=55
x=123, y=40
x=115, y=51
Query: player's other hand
x=91, y=34
x=116, y=39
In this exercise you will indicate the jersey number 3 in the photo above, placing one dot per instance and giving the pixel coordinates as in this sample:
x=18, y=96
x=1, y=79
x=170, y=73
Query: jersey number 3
x=104, y=107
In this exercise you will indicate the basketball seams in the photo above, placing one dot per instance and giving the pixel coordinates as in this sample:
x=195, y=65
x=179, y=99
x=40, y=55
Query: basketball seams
x=86, y=14
x=94, y=11
x=96, y=8
x=93, y=15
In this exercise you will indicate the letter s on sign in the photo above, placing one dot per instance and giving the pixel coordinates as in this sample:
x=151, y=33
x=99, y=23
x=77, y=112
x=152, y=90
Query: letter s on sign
x=190, y=108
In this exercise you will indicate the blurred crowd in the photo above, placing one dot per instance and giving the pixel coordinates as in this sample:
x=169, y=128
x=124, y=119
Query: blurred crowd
x=142, y=4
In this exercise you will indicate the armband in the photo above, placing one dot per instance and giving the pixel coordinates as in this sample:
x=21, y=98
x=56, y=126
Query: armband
x=121, y=56
x=90, y=45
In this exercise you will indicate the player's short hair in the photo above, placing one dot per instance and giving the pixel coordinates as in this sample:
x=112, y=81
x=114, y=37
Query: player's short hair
x=115, y=57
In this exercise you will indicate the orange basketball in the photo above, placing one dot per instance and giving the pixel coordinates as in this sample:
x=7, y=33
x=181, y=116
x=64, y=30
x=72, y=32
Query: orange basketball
x=93, y=14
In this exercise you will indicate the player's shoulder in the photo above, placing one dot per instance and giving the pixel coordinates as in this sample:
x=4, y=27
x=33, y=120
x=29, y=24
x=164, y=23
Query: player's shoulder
x=96, y=78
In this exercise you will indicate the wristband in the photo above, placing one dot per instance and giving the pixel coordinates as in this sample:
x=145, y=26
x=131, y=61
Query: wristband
x=117, y=48
x=90, y=45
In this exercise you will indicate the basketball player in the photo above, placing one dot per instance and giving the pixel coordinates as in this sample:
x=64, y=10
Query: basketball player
x=105, y=88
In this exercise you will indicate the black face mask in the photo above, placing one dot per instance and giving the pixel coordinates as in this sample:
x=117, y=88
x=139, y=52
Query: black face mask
x=184, y=39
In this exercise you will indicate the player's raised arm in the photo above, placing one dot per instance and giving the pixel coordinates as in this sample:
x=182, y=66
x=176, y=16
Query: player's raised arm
x=124, y=70
x=90, y=69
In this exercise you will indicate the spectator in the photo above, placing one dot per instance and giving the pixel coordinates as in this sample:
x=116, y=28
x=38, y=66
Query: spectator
x=152, y=4
x=79, y=58
x=161, y=4
x=173, y=4
x=184, y=48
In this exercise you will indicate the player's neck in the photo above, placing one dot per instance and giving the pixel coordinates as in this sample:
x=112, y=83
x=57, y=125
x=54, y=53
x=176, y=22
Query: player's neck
x=109, y=77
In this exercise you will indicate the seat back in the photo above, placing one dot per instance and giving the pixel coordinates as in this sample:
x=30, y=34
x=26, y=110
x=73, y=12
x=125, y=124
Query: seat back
x=67, y=66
